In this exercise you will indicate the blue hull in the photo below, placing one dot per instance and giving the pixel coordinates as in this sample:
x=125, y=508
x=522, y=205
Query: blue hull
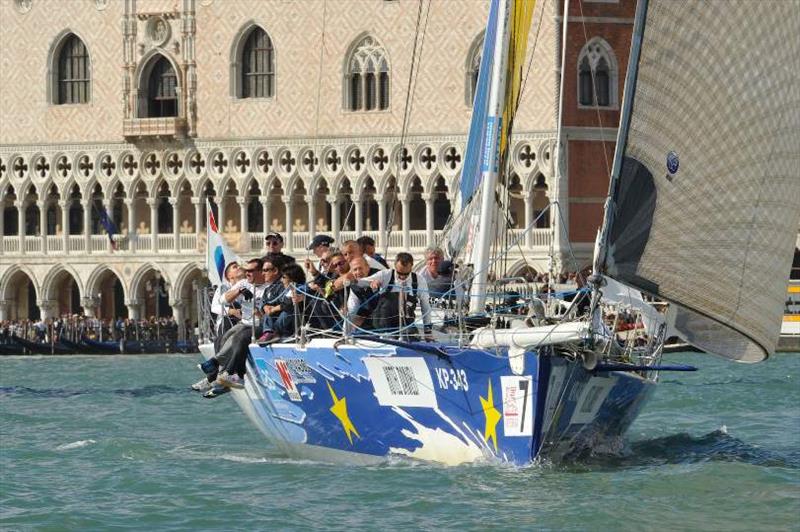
x=366, y=402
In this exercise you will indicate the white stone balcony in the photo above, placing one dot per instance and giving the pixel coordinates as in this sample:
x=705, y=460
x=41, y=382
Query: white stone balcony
x=194, y=245
x=154, y=127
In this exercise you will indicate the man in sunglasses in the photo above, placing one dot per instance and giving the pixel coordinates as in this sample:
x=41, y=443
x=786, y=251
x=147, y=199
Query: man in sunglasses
x=400, y=290
x=230, y=361
x=273, y=243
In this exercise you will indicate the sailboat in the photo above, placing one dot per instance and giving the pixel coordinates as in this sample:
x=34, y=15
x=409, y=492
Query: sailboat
x=702, y=212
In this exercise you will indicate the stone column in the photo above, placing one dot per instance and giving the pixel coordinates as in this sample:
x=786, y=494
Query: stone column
x=43, y=223
x=528, y=217
x=335, y=222
x=64, y=204
x=20, y=205
x=405, y=201
x=178, y=313
x=219, y=200
x=381, y=222
x=312, y=214
x=90, y=306
x=358, y=204
x=429, y=219
x=153, y=224
x=133, y=308
x=48, y=308
x=198, y=214
x=2, y=228
x=287, y=201
x=265, y=212
x=4, y=309
x=87, y=226
x=244, y=234
x=176, y=223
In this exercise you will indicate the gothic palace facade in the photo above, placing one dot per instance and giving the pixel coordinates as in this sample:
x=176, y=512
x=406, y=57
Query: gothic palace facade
x=287, y=115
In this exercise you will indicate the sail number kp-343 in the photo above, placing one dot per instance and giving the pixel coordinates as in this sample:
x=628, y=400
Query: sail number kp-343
x=452, y=379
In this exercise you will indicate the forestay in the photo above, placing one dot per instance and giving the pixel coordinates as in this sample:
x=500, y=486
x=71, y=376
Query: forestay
x=705, y=195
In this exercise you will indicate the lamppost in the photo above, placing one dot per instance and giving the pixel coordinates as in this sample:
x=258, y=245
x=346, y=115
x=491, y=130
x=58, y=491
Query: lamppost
x=100, y=313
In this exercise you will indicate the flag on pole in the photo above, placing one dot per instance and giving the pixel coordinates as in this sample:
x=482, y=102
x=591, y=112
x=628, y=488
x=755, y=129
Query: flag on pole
x=218, y=254
x=108, y=224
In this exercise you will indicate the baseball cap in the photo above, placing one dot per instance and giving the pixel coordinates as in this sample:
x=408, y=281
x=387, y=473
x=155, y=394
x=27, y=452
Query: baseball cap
x=273, y=236
x=320, y=240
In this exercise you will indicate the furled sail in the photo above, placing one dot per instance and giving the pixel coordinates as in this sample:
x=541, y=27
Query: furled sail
x=494, y=106
x=705, y=194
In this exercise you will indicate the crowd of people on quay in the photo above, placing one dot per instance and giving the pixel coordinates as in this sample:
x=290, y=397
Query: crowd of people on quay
x=76, y=327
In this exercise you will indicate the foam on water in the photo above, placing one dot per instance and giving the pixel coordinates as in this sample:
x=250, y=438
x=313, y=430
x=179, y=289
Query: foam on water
x=75, y=445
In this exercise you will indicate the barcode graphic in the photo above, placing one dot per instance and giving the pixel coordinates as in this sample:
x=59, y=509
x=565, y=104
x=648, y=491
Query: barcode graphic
x=401, y=380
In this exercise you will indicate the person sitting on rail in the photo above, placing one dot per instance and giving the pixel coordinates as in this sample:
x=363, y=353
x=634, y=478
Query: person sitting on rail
x=292, y=306
x=360, y=297
x=351, y=250
x=400, y=289
x=228, y=315
x=232, y=355
x=320, y=245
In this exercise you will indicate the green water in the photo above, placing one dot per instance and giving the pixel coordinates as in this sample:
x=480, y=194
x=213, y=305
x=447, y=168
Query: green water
x=98, y=443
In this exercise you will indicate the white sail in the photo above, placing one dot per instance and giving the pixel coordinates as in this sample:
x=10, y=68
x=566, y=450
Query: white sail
x=705, y=195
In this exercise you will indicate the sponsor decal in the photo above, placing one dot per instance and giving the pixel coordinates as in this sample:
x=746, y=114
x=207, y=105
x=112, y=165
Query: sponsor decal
x=401, y=381
x=517, y=405
x=300, y=371
x=592, y=396
x=452, y=379
x=673, y=163
x=286, y=379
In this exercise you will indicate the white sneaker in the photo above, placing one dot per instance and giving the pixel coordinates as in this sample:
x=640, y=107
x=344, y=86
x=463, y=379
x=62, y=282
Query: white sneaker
x=231, y=381
x=202, y=385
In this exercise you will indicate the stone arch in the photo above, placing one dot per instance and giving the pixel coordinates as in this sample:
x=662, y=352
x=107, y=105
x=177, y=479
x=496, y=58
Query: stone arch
x=183, y=282
x=20, y=291
x=523, y=268
x=62, y=285
x=106, y=281
x=142, y=76
x=152, y=298
x=53, y=53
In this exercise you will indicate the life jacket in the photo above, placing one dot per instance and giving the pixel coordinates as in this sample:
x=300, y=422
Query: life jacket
x=369, y=301
x=386, y=317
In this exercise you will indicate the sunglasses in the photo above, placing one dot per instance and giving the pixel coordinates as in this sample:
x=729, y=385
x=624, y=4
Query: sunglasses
x=402, y=275
x=273, y=242
x=338, y=264
x=272, y=269
x=250, y=270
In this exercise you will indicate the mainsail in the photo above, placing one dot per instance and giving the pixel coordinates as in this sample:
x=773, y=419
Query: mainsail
x=705, y=194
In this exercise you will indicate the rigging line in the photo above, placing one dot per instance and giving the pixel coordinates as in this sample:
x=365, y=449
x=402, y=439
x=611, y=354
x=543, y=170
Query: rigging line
x=594, y=91
x=409, y=104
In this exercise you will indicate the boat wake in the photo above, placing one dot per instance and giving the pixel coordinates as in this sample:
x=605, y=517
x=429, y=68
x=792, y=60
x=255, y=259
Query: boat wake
x=145, y=391
x=684, y=448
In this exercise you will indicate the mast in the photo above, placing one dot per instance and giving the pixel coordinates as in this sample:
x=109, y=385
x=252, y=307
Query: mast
x=556, y=213
x=490, y=158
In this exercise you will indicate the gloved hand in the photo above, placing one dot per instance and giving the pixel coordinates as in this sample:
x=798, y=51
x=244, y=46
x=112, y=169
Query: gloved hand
x=246, y=293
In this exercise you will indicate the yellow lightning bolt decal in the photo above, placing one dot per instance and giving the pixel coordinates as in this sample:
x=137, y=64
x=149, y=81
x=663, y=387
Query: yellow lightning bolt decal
x=339, y=409
x=492, y=417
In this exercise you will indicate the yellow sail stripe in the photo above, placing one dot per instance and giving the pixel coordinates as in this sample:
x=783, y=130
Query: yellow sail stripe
x=519, y=25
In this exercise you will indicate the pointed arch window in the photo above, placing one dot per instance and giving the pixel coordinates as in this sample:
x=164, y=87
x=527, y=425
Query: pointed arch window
x=473, y=69
x=162, y=93
x=258, y=65
x=73, y=75
x=597, y=75
x=367, y=79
